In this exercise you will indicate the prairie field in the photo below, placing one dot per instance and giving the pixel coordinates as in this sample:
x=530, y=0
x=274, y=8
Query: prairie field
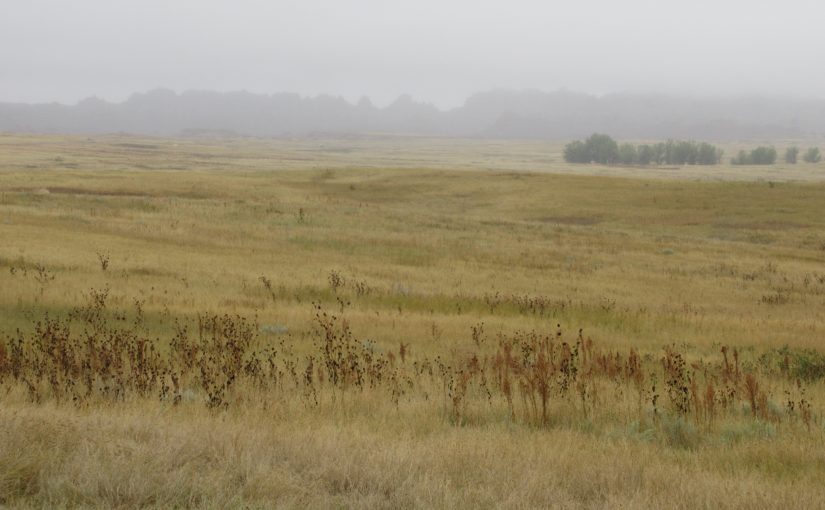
x=389, y=322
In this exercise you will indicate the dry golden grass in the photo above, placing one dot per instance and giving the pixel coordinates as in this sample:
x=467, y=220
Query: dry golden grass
x=388, y=234
x=148, y=455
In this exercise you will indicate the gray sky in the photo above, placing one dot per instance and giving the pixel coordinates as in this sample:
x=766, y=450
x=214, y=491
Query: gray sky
x=437, y=50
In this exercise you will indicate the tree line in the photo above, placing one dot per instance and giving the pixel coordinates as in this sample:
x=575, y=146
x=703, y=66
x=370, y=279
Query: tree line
x=767, y=156
x=600, y=148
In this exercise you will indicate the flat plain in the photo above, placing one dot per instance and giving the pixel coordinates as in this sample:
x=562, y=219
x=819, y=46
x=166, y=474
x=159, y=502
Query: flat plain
x=400, y=322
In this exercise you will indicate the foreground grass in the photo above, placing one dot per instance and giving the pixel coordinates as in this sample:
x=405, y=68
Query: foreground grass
x=416, y=254
x=155, y=456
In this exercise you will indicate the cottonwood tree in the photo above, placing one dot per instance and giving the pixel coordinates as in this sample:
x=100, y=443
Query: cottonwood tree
x=812, y=155
x=790, y=155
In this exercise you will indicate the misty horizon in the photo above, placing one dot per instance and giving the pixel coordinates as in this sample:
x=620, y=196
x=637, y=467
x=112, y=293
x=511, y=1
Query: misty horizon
x=405, y=96
x=497, y=113
x=440, y=53
x=522, y=68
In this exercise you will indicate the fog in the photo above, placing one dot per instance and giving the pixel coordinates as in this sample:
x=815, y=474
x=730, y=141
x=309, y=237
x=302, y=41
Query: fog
x=437, y=51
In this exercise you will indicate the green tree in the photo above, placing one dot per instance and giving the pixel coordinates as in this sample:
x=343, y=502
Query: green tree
x=576, y=152
x=645, y=155
x=602, y=149
x=743, y=158
x=812, y=155
x=628, y=154
x=707, y=154
x=670, y=152
x=684, y=153
x=790, y=155
x=763, y=155
x=659, y=153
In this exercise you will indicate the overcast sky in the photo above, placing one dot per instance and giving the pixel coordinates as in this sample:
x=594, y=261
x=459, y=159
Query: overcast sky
x=437, y=50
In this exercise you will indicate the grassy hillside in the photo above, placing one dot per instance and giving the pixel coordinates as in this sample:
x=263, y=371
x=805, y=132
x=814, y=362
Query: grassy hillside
x=447, y=251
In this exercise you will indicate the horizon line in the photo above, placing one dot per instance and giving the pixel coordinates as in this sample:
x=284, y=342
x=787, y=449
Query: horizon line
x=404, y=97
